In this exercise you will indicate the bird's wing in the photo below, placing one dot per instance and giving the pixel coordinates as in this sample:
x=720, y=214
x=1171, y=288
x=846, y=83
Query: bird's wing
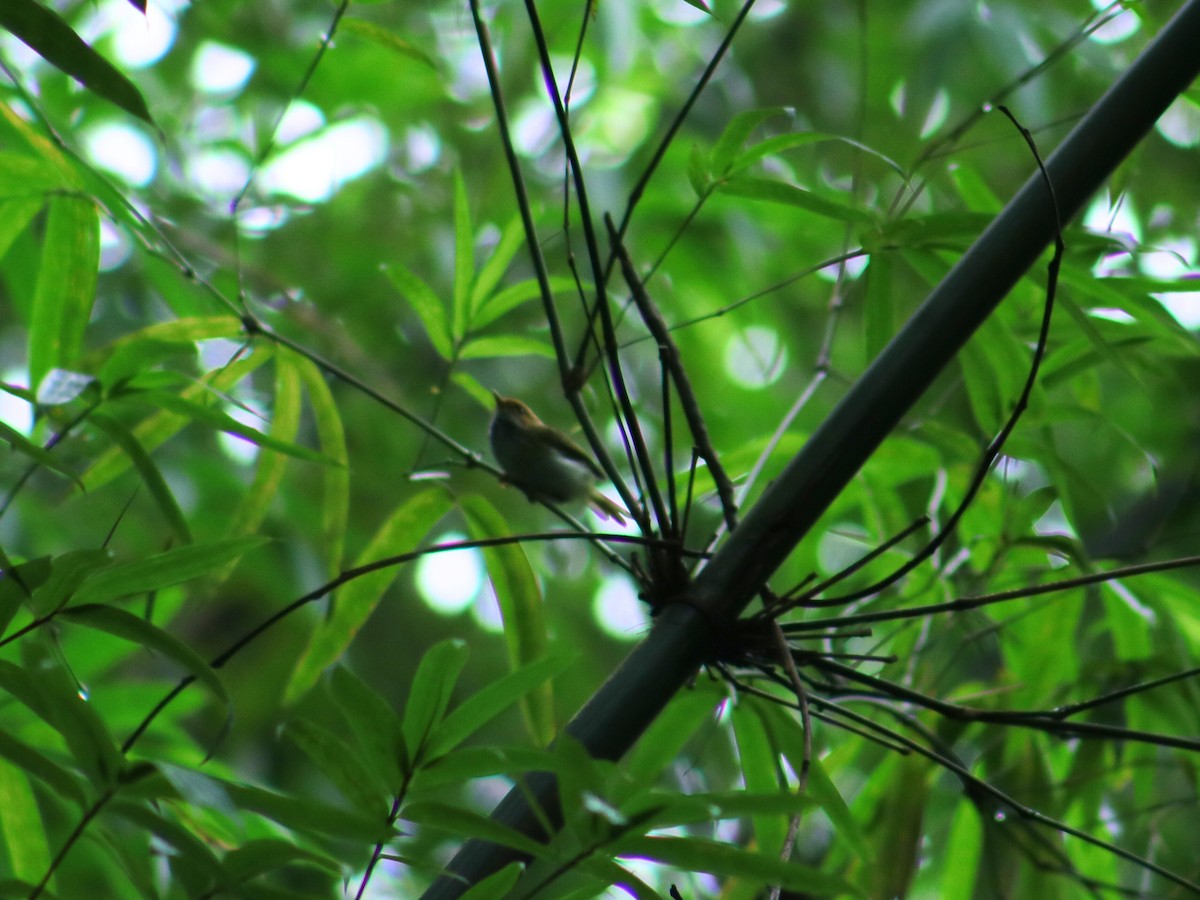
x=569, y=449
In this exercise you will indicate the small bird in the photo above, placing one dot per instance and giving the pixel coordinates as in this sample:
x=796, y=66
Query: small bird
x=544, y=462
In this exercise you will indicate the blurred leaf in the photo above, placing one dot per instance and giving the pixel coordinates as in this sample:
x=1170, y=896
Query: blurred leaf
x=162, y=570
x=68, y=572
x=309, y=816
x=387, y=39
x=23, y=181
x=156, y=429
x=464, y=260
x=425, y=303
x=44, y=458
x=21, y=823
x=520, y=602
x=265, y=855
x=61, y=386
x=54, y=41
x=771, y=191
x=339, y=762
x=727, y=861
x=516, y=295
x=34, y=763
x=962, y=851
x=138, y=352
x=269, y=468
x=500, y=345
x=71, y=716
x=733, y=138
x=783, y=142
x=463, y=823
x=151, y=476
x=354, y=602
x=480, y=708
x=662, y=743
x=789, y=736
x=66, y=285
x=498, y=884
x=758, y=762
x=698, y=171
x=138, y=631
x=429, y=697
x=374, y=723
x=214, y=418
x=879, y=310
x=17, y=583
x=512, y=238
x=331, y=438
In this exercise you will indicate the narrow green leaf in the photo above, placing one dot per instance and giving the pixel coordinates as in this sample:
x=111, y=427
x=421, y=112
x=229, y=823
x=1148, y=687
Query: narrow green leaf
x=15, y=216
x=162, y=570
x=465, y=823
x=68, y=572
x=500, y=345
x=758, y=762
x=468, y=763
x=122, y=624
x=27, y=178
x=512, y=238
x=429, y=695
x=331, y=438
x=698, y=172
x=341, y=764
x=994, y=362
x=215, y=418
x=146, y=347
x=480, y=708
x=470, y=384
x=520, y=600
x=71, y=716
x=17, y=584
x=266, y=855
x=517, y=295
x=662, y=743
x=151, y=477
x=379, y=35
x=425, y=303
x=375, y=725
x=464, y=259
x=53, y=39
x=191, y=848
x=21, y=824
x=498, y=262
x=158, y=428
x=727, y=861
x=354, y=602
x=33, y=762
x=269, y=468
x=772, y=191
x=740, y=127
x=66, y=285
x=962, y=852
x=42, y=457
x=879, y=311
x=781, y=143
x=789, y=737
x=498, y=884
x=310, y=816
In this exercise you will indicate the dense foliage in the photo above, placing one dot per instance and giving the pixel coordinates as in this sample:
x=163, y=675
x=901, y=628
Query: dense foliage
x=261, y=266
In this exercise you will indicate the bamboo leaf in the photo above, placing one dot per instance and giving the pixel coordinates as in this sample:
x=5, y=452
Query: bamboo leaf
x=52, y=38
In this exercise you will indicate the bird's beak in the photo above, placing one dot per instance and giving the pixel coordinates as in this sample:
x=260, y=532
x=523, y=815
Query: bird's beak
x=496, y=394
